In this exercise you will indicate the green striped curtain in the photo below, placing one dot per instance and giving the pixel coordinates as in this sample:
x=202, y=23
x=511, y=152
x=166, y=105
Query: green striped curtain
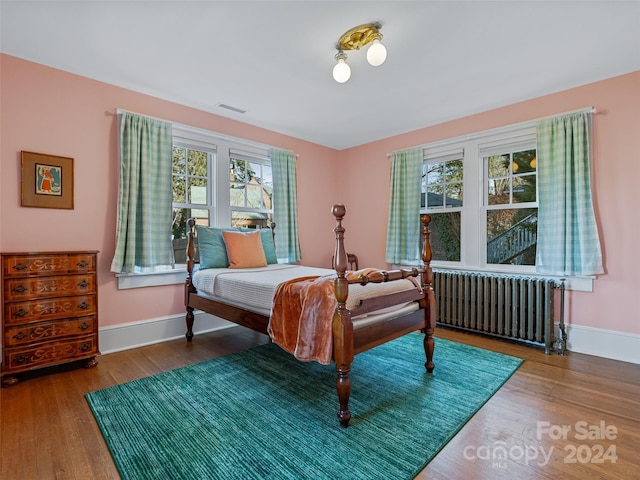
x=403, y=228
x=285, y=205
x=568, y=242
x=143, y=231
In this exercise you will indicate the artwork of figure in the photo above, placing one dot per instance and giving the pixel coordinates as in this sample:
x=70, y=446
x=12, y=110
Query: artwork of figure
x=48, y=180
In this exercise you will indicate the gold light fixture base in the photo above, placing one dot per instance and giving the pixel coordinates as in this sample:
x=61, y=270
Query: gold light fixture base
x=359, y=36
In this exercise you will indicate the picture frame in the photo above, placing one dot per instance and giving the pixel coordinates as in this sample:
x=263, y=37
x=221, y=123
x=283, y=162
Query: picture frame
x=47, y=181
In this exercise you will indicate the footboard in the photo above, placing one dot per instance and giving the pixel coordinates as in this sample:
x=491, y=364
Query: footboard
x=347, y=341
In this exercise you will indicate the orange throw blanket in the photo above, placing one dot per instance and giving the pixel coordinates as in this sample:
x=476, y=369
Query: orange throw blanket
x=301, y=317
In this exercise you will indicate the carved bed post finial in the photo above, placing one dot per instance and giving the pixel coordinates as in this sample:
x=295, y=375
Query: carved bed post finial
x=427, y=281
x=342, y=326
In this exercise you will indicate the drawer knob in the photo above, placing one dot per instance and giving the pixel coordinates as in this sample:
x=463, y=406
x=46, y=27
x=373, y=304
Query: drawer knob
x=21, y=313
x=19, y=336
x=84, y=326
x=83, y=306
x=22, y=359
x=82, y=264
x=20, y=289
x=20, y=266
x=85, y=346
x=83, y=284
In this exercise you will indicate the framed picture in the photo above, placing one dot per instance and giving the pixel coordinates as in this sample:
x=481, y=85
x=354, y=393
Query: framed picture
x=47, y=181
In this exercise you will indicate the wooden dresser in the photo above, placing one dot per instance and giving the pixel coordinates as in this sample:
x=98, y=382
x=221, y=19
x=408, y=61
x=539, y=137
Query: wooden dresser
x=49, y=310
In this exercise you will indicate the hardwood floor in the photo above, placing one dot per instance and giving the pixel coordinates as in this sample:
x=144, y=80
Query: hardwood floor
x=47, y=430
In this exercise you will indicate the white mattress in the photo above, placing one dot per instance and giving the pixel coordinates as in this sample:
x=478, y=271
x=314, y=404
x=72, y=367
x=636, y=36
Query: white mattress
x=254, y=288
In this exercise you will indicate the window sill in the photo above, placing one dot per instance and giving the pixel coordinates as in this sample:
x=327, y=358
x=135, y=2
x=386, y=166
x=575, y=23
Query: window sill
x=153, y=279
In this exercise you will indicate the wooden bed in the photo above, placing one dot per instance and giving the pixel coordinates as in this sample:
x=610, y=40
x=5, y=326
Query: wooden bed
x=347, y=340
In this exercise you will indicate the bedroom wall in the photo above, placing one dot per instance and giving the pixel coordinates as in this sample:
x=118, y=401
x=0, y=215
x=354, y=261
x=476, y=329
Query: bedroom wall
x=614, y=305
x=51, y=111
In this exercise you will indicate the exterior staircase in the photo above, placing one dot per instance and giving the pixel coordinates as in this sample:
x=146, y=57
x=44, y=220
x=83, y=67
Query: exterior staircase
x=512, y=243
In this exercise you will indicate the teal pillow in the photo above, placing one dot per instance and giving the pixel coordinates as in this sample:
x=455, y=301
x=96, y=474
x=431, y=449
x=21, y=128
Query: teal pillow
x=269, y=247
x=266, y=236
x=213, y=252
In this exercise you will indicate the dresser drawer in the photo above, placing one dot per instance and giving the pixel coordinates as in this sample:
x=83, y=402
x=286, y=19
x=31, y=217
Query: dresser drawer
x=40, y=332
x=43, y=264
x=40, y=287
x=25, y=358
x=42, y=310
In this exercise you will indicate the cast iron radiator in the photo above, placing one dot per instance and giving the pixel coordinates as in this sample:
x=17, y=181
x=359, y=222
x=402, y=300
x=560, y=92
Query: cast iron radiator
x=513, y=307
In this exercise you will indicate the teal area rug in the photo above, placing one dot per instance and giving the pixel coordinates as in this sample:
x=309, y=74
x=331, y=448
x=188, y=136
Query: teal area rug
x=261, y=414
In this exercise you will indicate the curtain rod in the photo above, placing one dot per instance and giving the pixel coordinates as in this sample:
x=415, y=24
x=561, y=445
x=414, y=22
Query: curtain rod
x=240, y=141
x=527, y=123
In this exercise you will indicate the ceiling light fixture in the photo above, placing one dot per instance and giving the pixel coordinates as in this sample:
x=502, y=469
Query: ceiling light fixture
x=354, y=39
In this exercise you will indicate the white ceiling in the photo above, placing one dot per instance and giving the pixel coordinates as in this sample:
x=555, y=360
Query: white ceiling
x=446, y=59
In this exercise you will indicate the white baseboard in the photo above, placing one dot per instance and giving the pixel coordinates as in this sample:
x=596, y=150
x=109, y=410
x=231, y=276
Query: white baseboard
x=591, y=341
x=147, y=332
x=604, y=343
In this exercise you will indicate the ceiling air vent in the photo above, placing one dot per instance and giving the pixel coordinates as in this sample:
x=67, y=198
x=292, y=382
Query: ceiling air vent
x=233, y=109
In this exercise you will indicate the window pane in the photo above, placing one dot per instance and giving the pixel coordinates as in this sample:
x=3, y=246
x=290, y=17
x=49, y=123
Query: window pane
x=197, y=164
x=236, y=195
x=254, y=193
x=435, y=173
x=453, y=194
x=498, y=193
x=267, y=176
x=255, y=173
x=435, y=196
x=499, y=166
x=453, y=171
x=512, y=236
x=251, y=219
x=524, y=162
x=267, y=185
x=445, y=236
x=179, y=160
x=179, y=189
x=237, y=170
x=198, y=191
x=267, y=197
x=524, y=188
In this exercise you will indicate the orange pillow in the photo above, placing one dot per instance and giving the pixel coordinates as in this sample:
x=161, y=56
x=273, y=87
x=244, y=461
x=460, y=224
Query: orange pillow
x=244, y=249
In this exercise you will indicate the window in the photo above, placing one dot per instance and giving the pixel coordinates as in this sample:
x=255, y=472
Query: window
x=217, y=181
x=482, y=197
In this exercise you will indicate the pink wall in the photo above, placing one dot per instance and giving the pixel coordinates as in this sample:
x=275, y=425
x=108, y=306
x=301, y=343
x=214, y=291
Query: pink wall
x=615, y=301
x=50, y=111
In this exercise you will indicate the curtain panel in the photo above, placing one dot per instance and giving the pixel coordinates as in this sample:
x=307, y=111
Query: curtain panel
x=568, y=242
x=403, y=227
x=143, y=230
x=285, y=205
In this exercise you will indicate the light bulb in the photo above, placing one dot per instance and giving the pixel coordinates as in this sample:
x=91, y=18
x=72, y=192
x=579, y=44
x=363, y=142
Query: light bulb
x=341, y=71
x=376, y=54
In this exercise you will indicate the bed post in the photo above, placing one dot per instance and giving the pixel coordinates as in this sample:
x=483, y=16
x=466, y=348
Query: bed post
x=429, y=300
x=342, y=326
x=189, y=288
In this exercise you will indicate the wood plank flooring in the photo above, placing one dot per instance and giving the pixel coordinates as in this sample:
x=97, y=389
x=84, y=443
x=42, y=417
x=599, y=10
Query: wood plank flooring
x=47, y=430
